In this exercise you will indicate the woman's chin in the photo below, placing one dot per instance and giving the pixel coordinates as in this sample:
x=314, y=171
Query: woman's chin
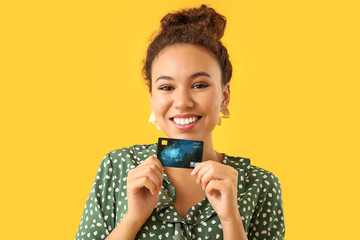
x=186, y=136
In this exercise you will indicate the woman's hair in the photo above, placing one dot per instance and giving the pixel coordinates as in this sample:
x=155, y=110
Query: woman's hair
x=201, y=26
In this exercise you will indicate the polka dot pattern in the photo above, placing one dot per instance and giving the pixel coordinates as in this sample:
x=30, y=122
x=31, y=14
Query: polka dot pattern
x=259, y=200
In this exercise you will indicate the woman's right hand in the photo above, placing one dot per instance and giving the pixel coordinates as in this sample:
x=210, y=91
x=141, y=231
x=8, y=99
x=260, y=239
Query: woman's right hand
x=143, y=187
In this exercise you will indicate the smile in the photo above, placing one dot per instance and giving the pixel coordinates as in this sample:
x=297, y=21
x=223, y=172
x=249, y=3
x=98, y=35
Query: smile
x=185, y=121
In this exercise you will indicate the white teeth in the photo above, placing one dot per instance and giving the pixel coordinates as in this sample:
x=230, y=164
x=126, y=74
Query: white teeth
x=185, y=121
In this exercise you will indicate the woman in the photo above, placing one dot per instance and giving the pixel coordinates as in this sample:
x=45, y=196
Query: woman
x=134, y=197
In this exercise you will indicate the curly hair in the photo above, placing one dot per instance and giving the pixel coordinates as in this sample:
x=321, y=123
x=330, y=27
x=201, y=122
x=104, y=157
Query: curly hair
x=201, y=26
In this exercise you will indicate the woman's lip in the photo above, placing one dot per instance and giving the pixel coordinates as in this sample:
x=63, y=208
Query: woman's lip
x=184, y=116
x=185, y=127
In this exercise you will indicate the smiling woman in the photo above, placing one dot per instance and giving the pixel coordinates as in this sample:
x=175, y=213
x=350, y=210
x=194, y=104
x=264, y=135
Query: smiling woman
x=134, y=197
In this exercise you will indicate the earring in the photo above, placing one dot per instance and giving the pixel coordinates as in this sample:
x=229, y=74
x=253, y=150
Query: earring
x=225, y=114
x=219, y=121
x=152, y=120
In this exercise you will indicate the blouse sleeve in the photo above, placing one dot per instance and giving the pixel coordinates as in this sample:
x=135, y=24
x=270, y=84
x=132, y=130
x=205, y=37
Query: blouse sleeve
x=97, y=219
x=268, y=218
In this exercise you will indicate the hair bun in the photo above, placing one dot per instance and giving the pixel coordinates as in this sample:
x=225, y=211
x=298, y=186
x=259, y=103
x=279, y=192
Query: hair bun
x=203, y=18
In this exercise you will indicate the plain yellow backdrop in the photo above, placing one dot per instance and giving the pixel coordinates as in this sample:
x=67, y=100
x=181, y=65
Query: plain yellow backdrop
x=72, y=90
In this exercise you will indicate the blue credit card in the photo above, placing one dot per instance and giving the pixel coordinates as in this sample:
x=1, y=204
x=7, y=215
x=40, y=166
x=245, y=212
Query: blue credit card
x=179, y=153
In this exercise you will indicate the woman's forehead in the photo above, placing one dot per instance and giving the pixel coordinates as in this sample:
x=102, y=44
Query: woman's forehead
x=185, y=60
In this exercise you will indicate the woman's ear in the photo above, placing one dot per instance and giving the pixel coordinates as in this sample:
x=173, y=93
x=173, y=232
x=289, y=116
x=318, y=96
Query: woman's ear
x=226, y=96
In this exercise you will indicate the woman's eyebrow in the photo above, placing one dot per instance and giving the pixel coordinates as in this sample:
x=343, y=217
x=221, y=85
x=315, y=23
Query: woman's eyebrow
x=164, y=77
x=195, y=75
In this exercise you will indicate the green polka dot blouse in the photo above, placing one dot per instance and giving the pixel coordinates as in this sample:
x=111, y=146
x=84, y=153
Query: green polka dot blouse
x=259, y=200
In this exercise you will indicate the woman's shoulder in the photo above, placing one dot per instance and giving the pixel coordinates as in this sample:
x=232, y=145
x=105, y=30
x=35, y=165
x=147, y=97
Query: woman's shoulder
x=236, y=162
x=263, y=174
x=132, y=155
x=252, y=173
x=139, y=150
x=264, y=180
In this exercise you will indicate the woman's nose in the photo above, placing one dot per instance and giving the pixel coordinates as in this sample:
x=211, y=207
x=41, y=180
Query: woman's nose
x=183, y=99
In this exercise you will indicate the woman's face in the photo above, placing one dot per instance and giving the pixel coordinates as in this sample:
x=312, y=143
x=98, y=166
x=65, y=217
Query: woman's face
x=187, y=93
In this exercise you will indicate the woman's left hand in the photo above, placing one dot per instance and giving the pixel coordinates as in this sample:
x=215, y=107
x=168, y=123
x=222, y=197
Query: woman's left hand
x=219, y=182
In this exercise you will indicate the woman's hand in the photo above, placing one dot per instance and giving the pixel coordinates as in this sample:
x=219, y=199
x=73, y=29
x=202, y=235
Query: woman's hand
x=143, y=187
x=219, y=182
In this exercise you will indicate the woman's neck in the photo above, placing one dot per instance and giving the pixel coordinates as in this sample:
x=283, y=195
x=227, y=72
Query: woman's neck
x=209, y=152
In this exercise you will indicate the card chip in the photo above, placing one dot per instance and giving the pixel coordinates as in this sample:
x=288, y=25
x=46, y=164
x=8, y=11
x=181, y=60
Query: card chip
x=164, y=142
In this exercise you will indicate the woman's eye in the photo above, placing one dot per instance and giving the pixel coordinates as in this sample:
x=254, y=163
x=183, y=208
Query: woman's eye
x=166, y=88
x=200, y=85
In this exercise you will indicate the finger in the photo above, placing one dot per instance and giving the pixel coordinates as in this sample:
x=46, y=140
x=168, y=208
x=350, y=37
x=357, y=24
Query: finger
x=214, y=185
x=197, y=168
x=158, y=173
x=207, y=177
x=224, y=186
x=149, y=171
x=140, y=183
x=152, y=163
x=160, y=177
x=205, y=169
x=153, y=160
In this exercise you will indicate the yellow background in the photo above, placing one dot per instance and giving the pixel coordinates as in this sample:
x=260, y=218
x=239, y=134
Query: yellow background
x=71, y=91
